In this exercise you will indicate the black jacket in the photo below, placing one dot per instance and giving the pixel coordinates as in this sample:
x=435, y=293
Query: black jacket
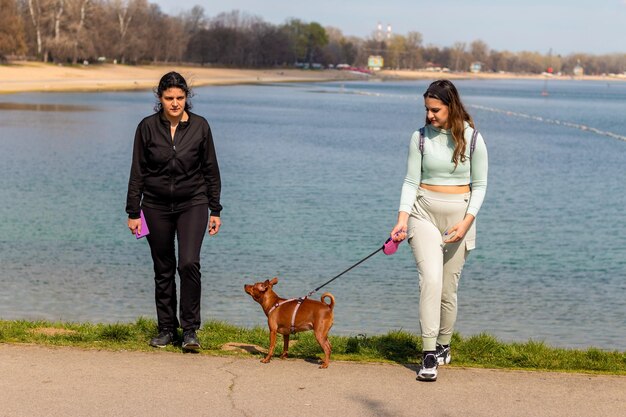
x=173, y=175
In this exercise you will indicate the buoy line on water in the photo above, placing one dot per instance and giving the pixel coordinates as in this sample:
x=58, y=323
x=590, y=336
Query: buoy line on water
x=578, y=126
x=550, y=121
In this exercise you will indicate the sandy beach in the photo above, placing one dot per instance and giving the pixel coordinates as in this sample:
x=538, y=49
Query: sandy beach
x=19, y=77
x=35, y=76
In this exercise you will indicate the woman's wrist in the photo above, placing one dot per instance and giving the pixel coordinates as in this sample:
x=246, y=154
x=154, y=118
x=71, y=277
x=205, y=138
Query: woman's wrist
x=403, y=217
x=468, y=219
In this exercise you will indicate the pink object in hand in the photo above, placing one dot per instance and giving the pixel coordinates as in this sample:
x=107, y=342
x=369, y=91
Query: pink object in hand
x=144, y=227
x=390, y=247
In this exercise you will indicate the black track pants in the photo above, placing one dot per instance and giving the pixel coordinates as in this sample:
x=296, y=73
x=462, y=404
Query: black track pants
x=188, y=227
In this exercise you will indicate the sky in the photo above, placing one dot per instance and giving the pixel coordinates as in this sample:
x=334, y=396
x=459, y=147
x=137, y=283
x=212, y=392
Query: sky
x=564, y=26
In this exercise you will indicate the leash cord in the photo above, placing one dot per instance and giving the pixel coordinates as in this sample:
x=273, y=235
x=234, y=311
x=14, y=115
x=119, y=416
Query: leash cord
x=353, y=266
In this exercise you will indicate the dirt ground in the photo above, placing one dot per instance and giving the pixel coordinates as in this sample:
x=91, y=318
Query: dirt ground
x=45, y=381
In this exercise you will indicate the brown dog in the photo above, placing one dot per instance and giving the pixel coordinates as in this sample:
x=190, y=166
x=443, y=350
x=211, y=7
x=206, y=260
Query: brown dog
x=295, y=315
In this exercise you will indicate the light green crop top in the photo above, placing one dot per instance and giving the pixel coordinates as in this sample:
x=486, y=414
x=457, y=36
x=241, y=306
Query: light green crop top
x=435, y=166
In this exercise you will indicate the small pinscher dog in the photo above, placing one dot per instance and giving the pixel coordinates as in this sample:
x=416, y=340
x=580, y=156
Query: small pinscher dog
x=294, y=315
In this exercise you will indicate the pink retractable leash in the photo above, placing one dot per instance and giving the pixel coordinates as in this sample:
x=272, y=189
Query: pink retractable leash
x=388, y=248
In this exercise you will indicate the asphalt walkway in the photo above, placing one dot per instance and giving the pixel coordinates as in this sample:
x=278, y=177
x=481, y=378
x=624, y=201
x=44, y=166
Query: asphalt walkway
x=66, y=382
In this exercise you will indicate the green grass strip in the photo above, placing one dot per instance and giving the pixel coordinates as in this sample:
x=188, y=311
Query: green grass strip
x=483, y=350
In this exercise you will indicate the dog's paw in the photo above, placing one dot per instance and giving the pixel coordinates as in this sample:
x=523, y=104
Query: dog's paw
x=265, y=360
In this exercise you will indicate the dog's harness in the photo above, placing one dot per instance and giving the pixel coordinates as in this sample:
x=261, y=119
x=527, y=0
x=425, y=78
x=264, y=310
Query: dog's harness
x=292, y=329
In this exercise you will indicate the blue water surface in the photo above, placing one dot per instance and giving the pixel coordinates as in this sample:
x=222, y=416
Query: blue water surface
x=311, y=182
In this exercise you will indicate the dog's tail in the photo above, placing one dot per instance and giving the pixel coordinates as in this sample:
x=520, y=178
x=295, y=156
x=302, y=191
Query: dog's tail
x=332, y=299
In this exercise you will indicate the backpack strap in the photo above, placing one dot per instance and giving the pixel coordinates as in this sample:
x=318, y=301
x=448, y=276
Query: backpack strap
x=472, y=147
x=473, y=143
x=421, y=145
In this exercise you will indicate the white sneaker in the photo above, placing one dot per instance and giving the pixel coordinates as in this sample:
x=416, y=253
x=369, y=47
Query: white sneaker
x=443, y=354
x=428, y=370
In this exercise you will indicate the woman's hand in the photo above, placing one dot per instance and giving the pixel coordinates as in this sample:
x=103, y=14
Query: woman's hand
x=214, y=225
x=458, y=231
x=135, y=226
x=399, y=232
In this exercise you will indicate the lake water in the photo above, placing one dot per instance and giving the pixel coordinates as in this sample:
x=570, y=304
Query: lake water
x=311, y=183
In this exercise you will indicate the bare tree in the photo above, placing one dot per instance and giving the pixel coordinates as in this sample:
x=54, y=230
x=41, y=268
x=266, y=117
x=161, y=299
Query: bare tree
x=198, y=47
x=269, y=45
x=82, y=12
x=458, y=55
x=12, y=39
x=58, y=13
x=46, y=18
x=501, y=60
x=413, y=47
x=58, y=43
x=333, y=51
x=34, y=7
x=138, y=31
x=351, y=47
x=479, y=51
x=165, y=37
x=396, y=51
x=125, y=11
x=177, y=39
x=194, y=20
x=59, y=24
x=530, y=62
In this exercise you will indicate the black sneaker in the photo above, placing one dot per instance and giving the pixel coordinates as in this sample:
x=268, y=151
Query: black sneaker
x=428, y=370
x=164, y=338
x=190, y=340
x=443, y=354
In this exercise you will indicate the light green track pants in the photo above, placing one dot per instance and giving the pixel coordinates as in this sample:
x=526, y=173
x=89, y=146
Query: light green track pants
x=439, y=265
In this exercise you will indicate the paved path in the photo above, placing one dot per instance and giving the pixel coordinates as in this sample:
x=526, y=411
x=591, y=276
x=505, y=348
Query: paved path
x=66, y=382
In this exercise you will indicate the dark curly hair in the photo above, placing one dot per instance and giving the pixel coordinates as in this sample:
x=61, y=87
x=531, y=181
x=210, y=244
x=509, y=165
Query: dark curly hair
x=172, y=80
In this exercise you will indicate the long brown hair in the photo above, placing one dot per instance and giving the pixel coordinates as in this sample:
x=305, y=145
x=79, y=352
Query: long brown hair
x=446, y=92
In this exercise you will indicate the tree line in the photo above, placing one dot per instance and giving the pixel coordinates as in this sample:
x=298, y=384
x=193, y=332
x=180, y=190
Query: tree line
x=138, y=32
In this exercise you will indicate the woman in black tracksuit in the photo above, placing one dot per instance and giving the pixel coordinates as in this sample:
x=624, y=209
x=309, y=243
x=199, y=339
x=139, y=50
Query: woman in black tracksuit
x=175, y=181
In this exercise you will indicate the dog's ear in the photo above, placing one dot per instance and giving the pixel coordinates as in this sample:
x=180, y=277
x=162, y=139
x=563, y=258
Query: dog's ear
x=274, y=281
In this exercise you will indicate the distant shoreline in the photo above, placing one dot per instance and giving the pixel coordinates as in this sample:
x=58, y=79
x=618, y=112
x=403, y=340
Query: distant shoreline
x=20, y=77
x=413, y=75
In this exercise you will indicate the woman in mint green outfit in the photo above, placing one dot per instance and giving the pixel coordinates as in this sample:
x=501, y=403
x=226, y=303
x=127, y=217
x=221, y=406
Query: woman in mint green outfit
x=443, y=191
